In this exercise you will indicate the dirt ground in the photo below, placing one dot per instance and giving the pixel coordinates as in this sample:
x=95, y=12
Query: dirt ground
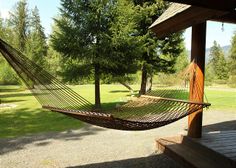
x=95, y=147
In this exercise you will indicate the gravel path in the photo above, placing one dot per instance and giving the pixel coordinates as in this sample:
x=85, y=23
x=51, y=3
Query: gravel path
x=95, y=147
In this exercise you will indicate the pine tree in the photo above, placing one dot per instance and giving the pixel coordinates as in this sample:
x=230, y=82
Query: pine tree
x=27, y=32
x=182, y=61
x=125, y=47
x=36, y=43
x=1, y=27
x=6, y=32
x=232, y=56
x=7, y=75
x=84, y=34
x=157, y=55
x=19, y=20
x=232, y=62
x=218, y=62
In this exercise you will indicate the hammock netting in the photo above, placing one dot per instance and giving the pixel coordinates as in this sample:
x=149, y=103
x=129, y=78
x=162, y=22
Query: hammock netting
x=153, y=110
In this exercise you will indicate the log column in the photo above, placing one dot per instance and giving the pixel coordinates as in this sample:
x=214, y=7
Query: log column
x=197, y=83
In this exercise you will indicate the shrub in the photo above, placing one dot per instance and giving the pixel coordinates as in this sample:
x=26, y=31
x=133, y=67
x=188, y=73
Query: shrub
x=232, y=81
x=7, y=75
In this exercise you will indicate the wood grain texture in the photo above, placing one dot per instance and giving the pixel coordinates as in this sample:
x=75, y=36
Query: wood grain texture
x=195, y=153
x=197, y=81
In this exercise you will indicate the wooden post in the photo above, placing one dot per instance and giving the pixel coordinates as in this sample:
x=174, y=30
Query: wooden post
x=197, y=83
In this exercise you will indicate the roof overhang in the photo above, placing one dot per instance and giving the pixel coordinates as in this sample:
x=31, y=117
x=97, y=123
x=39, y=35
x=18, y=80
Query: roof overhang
x=226, y=5
x=181, y=16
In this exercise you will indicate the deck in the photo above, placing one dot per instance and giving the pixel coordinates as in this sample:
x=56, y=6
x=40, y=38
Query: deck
x=213, y=150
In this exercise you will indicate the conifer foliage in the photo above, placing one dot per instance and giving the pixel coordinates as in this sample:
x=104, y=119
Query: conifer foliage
x=218, y=62
x=24, y=31
x=84, y=34
x=232, y=62
x=36, y=43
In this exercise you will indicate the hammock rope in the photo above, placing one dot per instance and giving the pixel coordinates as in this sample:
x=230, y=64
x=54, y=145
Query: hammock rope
x=157, y=108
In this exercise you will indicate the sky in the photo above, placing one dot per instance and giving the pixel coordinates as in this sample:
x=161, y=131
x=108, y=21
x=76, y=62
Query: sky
x=48, y=9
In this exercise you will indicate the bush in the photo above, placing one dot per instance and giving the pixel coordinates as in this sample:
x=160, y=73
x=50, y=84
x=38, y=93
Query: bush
x=7, y=75
x=220, y=81
x=166, y=79
x=232, y=81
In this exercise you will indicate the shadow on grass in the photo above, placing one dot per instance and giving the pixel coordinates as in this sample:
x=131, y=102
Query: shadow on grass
x=11, y=101
x=135, y=92
x=222, y=126
x=24, y=122
x=154, y=161
x=119, y=91
x=10, y=90
x=16, y=95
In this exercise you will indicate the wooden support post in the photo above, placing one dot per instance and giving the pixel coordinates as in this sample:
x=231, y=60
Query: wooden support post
x=197, y=83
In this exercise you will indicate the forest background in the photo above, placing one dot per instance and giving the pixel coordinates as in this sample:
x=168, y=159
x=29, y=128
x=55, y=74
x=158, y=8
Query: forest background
x=104, y=42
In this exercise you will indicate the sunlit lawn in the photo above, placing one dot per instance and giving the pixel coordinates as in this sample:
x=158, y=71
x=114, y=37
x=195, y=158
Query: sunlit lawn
x=222, y=99
x=28, y=117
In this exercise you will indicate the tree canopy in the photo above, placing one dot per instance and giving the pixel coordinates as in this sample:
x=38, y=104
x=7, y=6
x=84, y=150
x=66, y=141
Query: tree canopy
x=218, y=62
x=19, y=20
x=36, y=47
x=90, y=21
x=232, y=62
x=157, y=55
x=111, y=38
x=24, y=31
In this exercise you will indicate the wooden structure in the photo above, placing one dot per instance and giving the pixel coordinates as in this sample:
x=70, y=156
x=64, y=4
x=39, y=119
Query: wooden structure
x=178, y=17
x=226, y=5
x=181, y=16
x=207, y=152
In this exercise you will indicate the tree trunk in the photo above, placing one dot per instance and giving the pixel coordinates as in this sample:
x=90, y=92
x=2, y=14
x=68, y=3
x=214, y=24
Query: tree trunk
x=97, y=87
x=143, y=80
x=149, y=88
x=126, y=85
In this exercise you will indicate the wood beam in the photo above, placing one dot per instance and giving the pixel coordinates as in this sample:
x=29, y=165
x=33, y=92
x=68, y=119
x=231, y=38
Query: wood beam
x=189, y=17
x=227, y=18
x=197, y=81
x=225, y=5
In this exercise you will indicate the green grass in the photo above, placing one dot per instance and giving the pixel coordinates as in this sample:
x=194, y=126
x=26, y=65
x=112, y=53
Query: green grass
x=222, y=99
x=29, y=118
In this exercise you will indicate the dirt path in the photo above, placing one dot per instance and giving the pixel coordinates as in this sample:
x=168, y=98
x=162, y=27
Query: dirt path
x=95, y=147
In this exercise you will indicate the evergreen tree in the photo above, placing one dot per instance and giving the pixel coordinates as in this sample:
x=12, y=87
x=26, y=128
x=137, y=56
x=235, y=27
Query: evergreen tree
x=232, y=56
x=36, y=47
x=7, y=33
x=1, y=27
x=53, y=63
x=182, y=61
x=125, y=47
x=232, y=62
x=7, y=75
x=84, y=34
x=26, y=33
x=157, y=55
x=19, y=20
x=218, y=62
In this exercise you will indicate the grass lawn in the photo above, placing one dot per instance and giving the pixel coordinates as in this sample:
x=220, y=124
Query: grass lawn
x=222, y=99
x=28, y=117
